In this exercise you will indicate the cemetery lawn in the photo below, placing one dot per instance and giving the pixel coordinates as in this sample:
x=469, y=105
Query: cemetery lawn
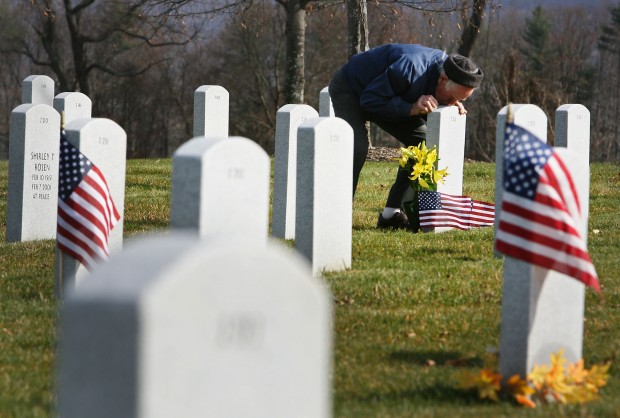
x=412, y=313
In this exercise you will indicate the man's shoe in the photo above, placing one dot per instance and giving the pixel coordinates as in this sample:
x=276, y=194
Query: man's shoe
x=398, y=221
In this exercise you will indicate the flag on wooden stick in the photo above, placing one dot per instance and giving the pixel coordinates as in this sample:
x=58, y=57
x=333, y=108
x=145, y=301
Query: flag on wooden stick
x=86, y=212
x=443, y=210
x=540, y=221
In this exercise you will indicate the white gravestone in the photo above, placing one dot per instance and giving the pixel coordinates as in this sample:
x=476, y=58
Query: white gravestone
x=288, y=119
x=323, y=221
x=446, y=131
x=543, y=310
x=38, y=89
x=325, y=104
x=527, y=116
x=33, y=173
x=104, y=143
x=73, y=105
x=220, y=186
x=211, y=106
x=178, y=327
x=572, y=129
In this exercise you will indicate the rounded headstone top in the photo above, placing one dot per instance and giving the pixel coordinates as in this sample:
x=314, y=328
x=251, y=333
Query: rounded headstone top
x=292, y=107
x=213, y=88
x=201, y=144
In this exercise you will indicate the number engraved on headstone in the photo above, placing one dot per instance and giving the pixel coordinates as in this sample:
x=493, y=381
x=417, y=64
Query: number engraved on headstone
x=103, y=140
x=78, y=104
x=453, y=119
x=531, y=123
x=43, y=120
x=334, y=138
x=216, y=97
x=578, y=117
x=243, y=330
x=236, y=173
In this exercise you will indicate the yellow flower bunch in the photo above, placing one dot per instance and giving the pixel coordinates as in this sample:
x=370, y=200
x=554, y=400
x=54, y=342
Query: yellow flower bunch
x=420, y=163
x=557, y=382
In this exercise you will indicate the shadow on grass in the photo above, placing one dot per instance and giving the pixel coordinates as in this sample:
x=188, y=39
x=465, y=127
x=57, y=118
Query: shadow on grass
x=436, y=358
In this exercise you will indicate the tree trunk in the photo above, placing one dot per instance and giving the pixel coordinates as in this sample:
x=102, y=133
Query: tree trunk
x=295, y=37
x=472, y=28
x=357, y=16
x=77, y=49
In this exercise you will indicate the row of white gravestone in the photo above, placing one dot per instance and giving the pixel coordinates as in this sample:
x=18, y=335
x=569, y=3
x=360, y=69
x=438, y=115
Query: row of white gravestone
x=543, y=310
x=226, y=325
x=212, y=105
x=34, y=163
x=228, y=194
x=572, y=120
x=221, y=184
x=220, y=187
x=446, y=131
x=233, y=329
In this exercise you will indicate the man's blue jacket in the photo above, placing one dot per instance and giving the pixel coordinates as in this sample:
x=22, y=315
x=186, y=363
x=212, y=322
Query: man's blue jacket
x=390, y=78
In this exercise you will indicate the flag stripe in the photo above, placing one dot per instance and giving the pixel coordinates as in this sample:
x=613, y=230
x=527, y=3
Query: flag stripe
x=93, y=193
x=76, y=247
x=540, y=221
x=546, y=242
x=567, y=237
x=540, y=211
x=525, y=253
x=86, y=212
x=70, y=220
x=559, y=177
x=98, y=183
x=462, y=212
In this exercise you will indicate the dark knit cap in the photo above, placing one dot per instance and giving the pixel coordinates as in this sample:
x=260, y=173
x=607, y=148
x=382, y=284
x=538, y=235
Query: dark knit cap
x=463, y=71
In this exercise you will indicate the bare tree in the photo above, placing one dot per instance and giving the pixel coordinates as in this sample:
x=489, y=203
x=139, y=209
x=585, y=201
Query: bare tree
x=472, y=27
x=295, y=33
x=73, y=40
x=357, y=24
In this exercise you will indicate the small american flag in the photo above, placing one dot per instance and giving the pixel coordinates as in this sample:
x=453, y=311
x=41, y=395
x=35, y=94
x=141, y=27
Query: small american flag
x=462, y=212
x=86, y=212
x=540, y=221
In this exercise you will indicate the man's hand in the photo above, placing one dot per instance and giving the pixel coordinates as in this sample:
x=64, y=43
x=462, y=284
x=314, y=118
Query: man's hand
x=425, y=104
x=462, y=110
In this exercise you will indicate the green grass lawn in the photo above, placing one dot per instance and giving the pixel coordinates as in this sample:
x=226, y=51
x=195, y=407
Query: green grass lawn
x=411, y=314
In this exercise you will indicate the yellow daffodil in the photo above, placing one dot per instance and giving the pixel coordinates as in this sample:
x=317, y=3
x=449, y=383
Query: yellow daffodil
x=438, y=175
x=420, y=164
x=431, y=156
x=423, y=183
